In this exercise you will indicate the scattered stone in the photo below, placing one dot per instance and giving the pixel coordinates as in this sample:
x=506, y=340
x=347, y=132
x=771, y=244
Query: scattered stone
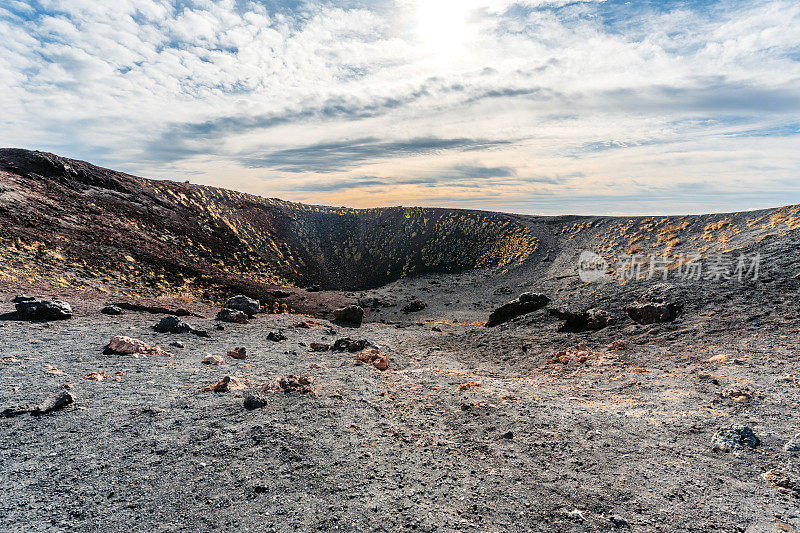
x=213, y=360
x=313, y=288
x=436, y=328
x=254, y=400
x=122, y=345
x=226, y=384
x=276, y=336
x=347, y=344
x=526, y=303
x=655, y=305
x=33, y=309
x=793, y=445
x=111, y=310
x=54, y=402
x=373, y=357
x=244, y=304
x=291, y=383
x=219, y=327
x=576, y=514
x=177, y=344
x=232, y=315
x=173, y=324
x=503, y=291
x=352, y=314
x=619, y=522
x=319, y=347
x=414, y=307
x=589, y=320
x=469, y=385
x=508, y=435
x=734, y=437
x=238, y=353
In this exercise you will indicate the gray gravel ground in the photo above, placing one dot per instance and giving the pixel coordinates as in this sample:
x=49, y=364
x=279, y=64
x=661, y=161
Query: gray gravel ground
x=623, y=434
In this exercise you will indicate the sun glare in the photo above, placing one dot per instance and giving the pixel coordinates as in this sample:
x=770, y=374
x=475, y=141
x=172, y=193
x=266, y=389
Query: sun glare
x=443, y=28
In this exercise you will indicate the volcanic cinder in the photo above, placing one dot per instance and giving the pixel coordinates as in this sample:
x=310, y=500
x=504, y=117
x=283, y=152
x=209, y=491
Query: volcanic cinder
x=661, y=394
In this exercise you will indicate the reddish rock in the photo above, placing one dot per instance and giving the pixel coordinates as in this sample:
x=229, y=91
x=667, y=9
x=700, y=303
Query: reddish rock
x=238, y=353
x=226, y=384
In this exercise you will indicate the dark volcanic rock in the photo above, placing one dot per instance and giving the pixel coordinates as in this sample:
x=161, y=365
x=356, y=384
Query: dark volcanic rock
x=589, y=320
x=352, y=314
x=173, y=324
x=255, y=400
x=22, y=298
x=57, y=401
x=111, y=310
x=243, y=304
x=413, y=307
x=657, y=304
x=349, y=345
x=232, y=315
x=733, y=437
x=526, y=303
x=32, y=309
x=276, y=336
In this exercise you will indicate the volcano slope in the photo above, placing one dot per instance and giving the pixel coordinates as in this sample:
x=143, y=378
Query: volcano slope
x=524, y=426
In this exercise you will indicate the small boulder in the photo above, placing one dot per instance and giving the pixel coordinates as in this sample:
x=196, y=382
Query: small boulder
x=291, y=383
x=589, y=320
x=232, y=315
x=121, y=345
x=414, y=307
x=733, y=438
x=276, y=336
x=238, y=353
x=373, y=357
x=213, y=360
x=347, y=344
x=173, y=324
x=255, y=400
x=319, y=347
x=526, y=303
x=54, y=402
x=352, y=314
x=111, y=310
x=20, y=298
x=43, y=309
x=657, y=304
x=244, y=304
x=226, y=384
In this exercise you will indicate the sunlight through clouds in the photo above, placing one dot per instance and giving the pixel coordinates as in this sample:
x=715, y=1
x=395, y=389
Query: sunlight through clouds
x=586, y=104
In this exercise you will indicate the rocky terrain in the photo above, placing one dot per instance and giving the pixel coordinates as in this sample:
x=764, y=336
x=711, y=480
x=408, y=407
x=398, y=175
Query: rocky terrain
x=484, y=372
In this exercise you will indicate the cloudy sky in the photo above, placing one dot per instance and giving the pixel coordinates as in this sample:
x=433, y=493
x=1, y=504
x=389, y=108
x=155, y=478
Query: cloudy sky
x=533, y=106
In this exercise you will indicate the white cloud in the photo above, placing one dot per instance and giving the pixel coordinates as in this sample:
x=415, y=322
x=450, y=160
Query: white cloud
x=579, y=98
